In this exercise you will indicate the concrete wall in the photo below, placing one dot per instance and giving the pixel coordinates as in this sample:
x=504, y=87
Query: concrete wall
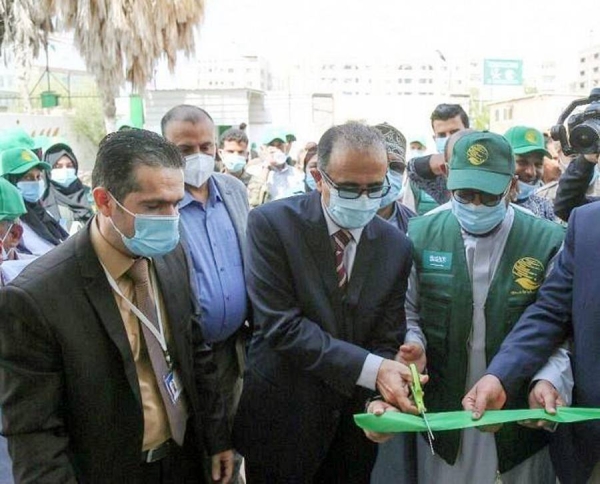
x=54, y=125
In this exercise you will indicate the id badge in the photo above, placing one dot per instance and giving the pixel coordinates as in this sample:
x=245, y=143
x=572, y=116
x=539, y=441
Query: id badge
x=174, y=387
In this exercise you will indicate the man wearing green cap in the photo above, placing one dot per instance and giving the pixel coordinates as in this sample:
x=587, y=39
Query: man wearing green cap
x=529, y=147
x=478, y=263
x=273, y=178
x=23, y=168
x=11, y=208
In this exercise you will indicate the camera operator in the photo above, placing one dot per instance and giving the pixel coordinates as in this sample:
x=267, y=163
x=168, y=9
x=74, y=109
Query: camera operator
x=577, y=181
x=574, y=185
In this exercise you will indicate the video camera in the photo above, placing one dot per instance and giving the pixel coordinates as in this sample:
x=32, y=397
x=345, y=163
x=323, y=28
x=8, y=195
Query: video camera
x=583, y=128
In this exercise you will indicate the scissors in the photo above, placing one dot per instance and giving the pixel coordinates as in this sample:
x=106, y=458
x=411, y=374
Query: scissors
x=417, y=392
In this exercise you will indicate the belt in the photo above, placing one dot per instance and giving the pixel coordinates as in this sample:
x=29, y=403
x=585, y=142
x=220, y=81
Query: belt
x=158, y=453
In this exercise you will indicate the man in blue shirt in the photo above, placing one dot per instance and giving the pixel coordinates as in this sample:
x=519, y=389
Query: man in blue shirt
x=213, y=214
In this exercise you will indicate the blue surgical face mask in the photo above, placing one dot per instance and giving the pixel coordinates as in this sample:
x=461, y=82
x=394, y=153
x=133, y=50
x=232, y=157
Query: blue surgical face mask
x=440, y=144
x=526, y=189
x=310, y=181
x=234, y=162
x=478, y=219
x=352, y=214
x=64, y=176
x=32, y=191
x=155, y=235
x=395, y=181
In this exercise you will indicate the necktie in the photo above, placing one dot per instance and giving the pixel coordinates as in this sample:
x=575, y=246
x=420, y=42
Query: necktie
x=176, y=412
x=340, y=240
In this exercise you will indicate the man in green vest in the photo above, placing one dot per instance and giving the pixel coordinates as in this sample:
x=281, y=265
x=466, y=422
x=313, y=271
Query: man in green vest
x=478, y=262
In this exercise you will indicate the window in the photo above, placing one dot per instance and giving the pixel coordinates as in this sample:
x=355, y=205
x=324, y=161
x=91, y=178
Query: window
x=582, y=73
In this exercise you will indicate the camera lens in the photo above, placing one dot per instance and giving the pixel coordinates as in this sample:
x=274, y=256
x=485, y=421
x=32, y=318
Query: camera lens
x=584, y=138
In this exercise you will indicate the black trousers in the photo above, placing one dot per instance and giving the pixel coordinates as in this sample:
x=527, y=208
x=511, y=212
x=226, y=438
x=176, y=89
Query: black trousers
x=349, y=460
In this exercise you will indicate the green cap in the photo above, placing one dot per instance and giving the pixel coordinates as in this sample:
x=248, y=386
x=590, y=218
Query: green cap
x=525, y=140
x=273, y=134
x=18, y=161
x=11, y=201
x=481, y=161
x=16, y=138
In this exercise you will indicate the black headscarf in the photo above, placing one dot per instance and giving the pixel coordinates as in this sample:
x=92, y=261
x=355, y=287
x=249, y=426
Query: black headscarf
x=43, y=224
x=74, y=197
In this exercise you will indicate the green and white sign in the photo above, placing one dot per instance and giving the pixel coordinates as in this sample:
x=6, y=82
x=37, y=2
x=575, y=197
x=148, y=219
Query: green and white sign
x=503, y=72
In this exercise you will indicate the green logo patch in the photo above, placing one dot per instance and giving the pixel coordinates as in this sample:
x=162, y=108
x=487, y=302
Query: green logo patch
x=437, y=260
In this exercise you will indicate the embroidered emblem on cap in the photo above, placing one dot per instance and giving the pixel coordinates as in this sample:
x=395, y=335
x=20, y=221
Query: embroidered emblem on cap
x=477, y=154
x=529, y=273
x=26, y=156
x=531, y=136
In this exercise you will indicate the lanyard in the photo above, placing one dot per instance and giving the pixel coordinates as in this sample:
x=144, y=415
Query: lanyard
x=158, y=333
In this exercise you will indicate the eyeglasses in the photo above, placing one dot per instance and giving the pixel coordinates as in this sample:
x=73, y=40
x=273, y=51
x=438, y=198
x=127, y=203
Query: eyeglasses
x=466, y=195
x=354, y=192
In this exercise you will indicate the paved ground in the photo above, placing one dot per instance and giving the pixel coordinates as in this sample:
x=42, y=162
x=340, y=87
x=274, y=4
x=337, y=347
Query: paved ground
x=5, y=464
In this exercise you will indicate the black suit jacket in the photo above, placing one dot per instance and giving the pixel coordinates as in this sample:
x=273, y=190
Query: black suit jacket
x=69, y=391
x=310, y=341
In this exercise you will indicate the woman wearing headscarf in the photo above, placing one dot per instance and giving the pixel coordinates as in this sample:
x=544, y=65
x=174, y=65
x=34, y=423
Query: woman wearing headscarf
x=41, y=231
x=67, y=198
x=307, y=160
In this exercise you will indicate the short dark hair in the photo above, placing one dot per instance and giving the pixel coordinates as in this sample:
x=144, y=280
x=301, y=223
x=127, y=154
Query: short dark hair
x=351, y=135
x=444, y=112
x=184, y=112
x=121, y=152
x=233, y=134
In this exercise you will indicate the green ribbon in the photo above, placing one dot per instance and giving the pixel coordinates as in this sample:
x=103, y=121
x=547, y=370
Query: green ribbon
x=391, y=422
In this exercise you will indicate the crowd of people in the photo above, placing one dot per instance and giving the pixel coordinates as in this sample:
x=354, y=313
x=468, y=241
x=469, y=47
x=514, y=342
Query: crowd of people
x=211, y=311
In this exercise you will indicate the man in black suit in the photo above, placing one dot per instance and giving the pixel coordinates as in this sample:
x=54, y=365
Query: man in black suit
x=327, y=281
x=103, y=376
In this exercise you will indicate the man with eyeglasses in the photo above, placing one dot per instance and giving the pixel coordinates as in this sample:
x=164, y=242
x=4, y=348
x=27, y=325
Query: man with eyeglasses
x=478, y=263
x=327, y=280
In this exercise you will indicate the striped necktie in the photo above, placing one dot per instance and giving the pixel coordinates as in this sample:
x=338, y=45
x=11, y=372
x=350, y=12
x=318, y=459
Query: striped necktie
x=340, y=240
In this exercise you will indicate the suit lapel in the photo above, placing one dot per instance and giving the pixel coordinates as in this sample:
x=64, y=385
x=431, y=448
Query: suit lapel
x=234, y=209
x=321, y=249
x=102, y=299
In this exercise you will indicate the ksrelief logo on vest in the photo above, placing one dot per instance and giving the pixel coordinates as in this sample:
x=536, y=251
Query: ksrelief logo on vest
x=529, y=273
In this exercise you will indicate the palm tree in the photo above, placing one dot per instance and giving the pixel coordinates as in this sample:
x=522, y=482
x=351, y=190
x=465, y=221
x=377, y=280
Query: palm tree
x=24, y=25
x=120, y=40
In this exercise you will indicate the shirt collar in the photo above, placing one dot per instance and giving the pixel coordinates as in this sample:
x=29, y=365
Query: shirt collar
x=115, y=262
x=214, y=195
x=332, y=227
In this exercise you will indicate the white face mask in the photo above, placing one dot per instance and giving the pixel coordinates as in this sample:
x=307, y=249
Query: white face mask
x=198, y=169
x=279, y=157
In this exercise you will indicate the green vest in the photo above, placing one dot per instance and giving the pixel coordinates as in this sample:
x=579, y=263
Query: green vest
x=446, y=315
x=423, y=201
